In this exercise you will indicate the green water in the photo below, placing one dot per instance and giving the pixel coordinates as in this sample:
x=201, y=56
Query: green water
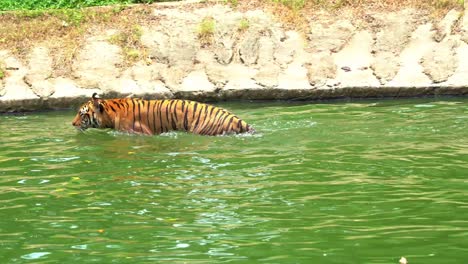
x=362, y=182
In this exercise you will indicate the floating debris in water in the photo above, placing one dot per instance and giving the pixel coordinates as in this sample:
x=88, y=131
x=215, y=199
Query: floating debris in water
x=35, y=255
x=424, y=105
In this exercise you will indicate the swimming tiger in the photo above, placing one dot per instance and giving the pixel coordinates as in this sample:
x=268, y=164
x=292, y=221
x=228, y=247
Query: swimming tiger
x=158, y=116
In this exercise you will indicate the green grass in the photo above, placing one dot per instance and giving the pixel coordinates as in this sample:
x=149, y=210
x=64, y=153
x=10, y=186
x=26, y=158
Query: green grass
x=60, y=4
x=294, y=4
x=206, y=30
x=244, y=24
x=130, y=42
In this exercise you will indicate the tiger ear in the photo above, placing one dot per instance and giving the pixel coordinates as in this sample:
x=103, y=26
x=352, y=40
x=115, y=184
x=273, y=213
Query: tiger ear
x=97, y=102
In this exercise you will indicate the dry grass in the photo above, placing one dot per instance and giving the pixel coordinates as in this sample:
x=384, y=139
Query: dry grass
x=2, y=71
x=129, y=39
x=295, y=13
x=64, y=31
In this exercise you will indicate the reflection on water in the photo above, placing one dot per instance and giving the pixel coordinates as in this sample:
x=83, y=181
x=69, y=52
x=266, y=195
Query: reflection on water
x=320, y=183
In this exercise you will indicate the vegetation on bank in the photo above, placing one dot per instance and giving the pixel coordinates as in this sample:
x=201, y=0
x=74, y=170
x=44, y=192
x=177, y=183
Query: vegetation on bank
x=54, y=4
x=2, y=71
x=62, y=25
x=299, y=4
x=292, y=4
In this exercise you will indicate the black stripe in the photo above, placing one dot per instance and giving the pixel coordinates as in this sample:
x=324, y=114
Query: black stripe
x=111, y=107
x=213, y=124
x=229, y=123
x=195, y=105
x=183, y=105
x=215, y=129
x=198, y=118
x=134, y=116
x=167, y=113
x=122, y=106
x=147, y=113
x=171, y=114
x=139, y=113
x=225, y=115
x=209, y=121
x=160, y=116
x=154, y=117
x=244, y=126
x=174, y=111
x=205, y=118
x=174, y=114
x=185, y=119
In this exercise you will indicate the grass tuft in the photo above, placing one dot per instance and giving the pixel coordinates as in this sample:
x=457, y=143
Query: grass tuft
x=130, y=41
x=293, y=4
x=295, y=14
x=206, y=30
x=244, y=24
x=65, y=30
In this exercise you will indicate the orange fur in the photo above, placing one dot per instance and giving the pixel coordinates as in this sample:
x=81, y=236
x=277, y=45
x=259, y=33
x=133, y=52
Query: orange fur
x=158, y=116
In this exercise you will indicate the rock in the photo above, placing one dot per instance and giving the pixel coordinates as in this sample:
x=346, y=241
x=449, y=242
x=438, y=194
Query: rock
x=329, y=35
x=266, y=50
x=410, y=72
x=464, y=25
x=217, y=74
x=174, y=40
x=40, y=70
x=240, y=77
x=267, y=75
x=97, y=64
x=225, y=37
x=460, y=75
x=66, y=88
x=377, y=54
x=357, y=56
x=320, y=68
x=391, y=38
x=440, y=62
x=446, y=25
x=385, y=66
x=14, y=86
x=196, y=81
x=156, y=42
x=224, y=51
x=248, y=48
x=145, y=79
x=289, y=49
x=232, y=76
x=172, y=76
x=294, y=77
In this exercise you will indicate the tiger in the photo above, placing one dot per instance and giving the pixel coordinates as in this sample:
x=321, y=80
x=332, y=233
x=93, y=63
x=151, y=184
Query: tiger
x=152, y=117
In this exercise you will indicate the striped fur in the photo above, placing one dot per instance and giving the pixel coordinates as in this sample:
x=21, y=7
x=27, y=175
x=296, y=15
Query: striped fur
x=158, y=116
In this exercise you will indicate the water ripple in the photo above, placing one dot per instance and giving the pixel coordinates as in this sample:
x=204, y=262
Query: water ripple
x=323, y=183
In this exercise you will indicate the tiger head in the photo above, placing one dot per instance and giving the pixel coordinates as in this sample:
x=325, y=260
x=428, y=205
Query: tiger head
x=90, y=114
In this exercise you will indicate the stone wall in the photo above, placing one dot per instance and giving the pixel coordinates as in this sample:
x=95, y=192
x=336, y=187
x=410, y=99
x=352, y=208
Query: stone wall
x=380, y=54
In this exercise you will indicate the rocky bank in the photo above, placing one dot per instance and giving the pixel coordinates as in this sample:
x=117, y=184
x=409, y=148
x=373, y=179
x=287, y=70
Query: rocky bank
x=250, y=55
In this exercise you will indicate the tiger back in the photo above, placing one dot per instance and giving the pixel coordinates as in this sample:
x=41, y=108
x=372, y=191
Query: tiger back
x=158, y=116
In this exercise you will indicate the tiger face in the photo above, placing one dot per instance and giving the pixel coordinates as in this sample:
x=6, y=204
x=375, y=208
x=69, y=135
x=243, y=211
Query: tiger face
x=86, y=117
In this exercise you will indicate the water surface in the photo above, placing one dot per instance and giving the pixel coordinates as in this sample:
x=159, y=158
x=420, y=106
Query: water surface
x=361, y=182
